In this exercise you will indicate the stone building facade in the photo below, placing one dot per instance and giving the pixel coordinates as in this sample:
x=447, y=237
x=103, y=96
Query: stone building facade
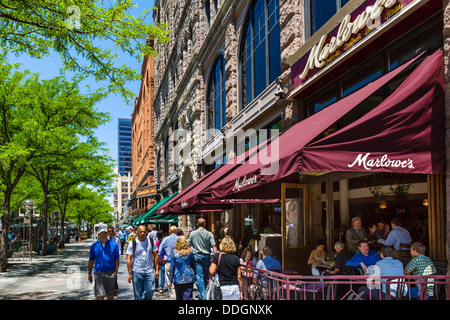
x=143, y=136
x=205, y=43
x=212, y=83
x=203, y=33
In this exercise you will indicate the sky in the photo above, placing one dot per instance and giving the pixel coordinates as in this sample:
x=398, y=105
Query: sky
x=48, y=68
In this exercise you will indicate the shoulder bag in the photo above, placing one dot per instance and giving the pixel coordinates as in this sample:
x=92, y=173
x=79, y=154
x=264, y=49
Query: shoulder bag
x=214, y=292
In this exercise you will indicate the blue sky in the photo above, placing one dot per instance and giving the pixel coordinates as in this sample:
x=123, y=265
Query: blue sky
x=49, y=67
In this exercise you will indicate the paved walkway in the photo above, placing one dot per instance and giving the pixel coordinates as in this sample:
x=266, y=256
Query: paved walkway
x=59, y=276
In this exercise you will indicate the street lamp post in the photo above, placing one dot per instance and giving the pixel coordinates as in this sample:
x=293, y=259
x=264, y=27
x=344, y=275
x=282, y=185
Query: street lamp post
x=30, y=206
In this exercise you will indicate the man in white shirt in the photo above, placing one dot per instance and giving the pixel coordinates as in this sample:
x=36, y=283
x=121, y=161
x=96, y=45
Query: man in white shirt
x=112, y=236
x=152, y=232
x=142, y=256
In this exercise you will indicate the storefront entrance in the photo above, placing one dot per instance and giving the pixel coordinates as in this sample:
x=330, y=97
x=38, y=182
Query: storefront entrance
x=294, y=212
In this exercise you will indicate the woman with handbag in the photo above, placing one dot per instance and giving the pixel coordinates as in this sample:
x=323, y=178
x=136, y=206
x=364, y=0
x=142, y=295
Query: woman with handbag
x=182, y=269
x=228, y=268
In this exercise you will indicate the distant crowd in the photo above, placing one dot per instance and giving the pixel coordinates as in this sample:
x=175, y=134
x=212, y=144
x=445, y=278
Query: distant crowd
x=175, y=260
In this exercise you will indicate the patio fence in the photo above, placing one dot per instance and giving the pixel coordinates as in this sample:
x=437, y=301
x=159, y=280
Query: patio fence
x=267, y=285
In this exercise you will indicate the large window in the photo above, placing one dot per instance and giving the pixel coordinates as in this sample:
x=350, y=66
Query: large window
x=216, y=96
x=260, y=57
x=318, y=12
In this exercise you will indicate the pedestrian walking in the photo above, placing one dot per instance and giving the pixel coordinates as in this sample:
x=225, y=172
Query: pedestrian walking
x=133, y=234
x=165, y=252
x=142, y=256
x=12, y=237
x=228, y=267
x=152, y=232
x=201, y=241
x=104, y=259
x=122, y=234
x=112, y=237
x=182, y=269
x=160, y=281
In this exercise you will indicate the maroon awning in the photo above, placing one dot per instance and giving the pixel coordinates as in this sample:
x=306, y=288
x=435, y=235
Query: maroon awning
x=404, y=134
x=164, y=208
x=193, y=199
x=254, y=177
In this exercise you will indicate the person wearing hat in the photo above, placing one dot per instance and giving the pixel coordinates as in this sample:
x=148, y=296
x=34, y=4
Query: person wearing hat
x=104, y=259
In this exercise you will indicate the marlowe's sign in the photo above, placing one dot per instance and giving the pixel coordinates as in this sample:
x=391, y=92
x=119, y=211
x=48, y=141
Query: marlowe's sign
x=383, y=162
x=351, y=30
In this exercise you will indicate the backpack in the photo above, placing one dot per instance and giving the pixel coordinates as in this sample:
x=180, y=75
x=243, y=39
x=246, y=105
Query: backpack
x=134, y=245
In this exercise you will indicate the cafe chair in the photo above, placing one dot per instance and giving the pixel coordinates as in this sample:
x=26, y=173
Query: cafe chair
x=398, y=289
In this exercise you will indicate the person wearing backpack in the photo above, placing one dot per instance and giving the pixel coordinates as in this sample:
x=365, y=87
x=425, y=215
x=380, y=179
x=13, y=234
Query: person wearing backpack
x=142, y=264
x=166, y=247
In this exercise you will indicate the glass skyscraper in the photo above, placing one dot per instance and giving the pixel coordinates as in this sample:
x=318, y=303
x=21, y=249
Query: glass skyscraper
x=124, y=148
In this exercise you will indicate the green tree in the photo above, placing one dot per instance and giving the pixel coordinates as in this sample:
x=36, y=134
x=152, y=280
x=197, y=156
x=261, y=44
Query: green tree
x=90, y=206
x=74, y=29
x=33, y=115
x=83, y=166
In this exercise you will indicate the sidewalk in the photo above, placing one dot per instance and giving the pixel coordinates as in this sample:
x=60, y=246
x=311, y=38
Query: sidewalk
x=59, y=276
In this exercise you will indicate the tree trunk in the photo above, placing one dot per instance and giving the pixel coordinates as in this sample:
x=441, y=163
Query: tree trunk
x=45, y=222
x=63, y=234
x=5, y=228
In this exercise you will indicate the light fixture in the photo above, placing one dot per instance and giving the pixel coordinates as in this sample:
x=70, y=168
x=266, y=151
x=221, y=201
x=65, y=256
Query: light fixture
x=383, y=204
x=425, y=202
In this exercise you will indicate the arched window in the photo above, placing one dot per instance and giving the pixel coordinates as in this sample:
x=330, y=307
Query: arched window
x=216, y=96
x=260, y=54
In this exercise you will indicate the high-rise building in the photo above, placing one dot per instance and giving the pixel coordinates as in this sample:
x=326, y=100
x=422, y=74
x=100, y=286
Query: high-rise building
x=122, y=194
x=124, y=146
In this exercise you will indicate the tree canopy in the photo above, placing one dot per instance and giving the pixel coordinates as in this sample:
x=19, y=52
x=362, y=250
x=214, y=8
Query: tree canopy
x=74, y=29
x=47, y=130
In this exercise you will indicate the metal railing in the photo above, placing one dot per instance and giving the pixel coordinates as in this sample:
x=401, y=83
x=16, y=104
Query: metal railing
x=268, y=285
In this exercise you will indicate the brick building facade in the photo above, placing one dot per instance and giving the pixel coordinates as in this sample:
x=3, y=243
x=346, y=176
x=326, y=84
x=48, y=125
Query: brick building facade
x=143, y=147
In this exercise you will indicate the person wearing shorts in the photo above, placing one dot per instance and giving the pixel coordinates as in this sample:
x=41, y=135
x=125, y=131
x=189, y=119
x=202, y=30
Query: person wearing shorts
x=104, y=259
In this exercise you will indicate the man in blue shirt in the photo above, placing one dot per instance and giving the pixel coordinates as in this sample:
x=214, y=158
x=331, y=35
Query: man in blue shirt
x=388, y=266
x=104, y=259
x=11, y=238
x=266, y=263
x=122, y=234
x=364, y=258
x=165, y=252
x=397, y=235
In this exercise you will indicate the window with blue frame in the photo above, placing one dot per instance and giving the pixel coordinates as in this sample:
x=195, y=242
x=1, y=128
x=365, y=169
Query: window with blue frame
x=320, y=11
x=216, y=96
x=260, y=53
